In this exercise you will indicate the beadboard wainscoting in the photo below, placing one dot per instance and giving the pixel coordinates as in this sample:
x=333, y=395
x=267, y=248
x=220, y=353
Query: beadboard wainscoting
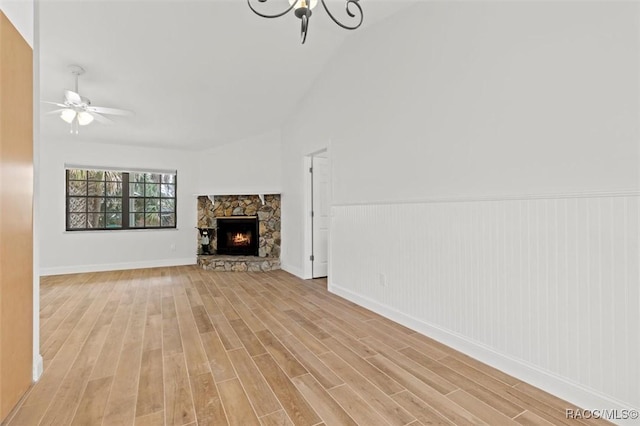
x=543, y=287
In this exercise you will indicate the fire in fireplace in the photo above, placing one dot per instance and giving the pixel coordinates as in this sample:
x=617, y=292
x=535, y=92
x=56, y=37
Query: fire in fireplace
x=241, y=239
x=238, y=235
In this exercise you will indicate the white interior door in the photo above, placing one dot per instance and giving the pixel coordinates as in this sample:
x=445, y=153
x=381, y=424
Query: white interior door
x=320, y=216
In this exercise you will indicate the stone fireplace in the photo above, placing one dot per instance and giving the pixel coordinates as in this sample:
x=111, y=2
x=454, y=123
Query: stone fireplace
x=245, y=232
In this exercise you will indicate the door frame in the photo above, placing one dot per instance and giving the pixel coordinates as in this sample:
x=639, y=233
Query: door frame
x=307, y=263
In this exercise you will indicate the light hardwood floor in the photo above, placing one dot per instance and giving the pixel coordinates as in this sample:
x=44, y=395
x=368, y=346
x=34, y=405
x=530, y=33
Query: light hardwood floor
x=183, y=346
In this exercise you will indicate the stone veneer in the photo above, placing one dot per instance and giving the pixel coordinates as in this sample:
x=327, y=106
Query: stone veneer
x=238, y=263
x=242, y=205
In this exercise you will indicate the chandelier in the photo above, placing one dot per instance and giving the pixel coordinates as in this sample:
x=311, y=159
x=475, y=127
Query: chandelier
x=302, y=9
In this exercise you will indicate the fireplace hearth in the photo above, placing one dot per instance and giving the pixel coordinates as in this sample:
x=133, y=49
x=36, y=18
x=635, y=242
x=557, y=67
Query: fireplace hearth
x=238, y=235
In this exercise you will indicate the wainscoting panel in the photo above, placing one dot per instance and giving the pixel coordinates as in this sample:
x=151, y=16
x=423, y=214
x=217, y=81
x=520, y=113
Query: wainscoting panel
x=549, y=283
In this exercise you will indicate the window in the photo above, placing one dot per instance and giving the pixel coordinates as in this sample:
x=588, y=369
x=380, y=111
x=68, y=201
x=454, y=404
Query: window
x=112, y=200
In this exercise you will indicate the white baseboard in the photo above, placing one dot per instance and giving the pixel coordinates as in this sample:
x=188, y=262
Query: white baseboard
x=76, y=269
x=38, y=367
x=556, y=385
x=292, y=270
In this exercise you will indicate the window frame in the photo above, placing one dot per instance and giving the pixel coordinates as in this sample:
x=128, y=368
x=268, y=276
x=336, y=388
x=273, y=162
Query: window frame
x=125, y=198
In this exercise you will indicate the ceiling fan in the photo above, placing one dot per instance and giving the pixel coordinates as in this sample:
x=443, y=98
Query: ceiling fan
x=78, y=111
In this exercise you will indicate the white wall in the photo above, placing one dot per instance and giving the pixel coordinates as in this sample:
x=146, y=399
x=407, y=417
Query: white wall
x=20, y=13
x=503, y=138
x=68, y=252
x=249, y=166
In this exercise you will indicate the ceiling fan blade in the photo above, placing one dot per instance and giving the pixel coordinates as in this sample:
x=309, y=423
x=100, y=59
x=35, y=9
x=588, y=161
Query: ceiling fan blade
x=111, y=111
x=101, y=118
x=72, y=97
x=55, y=103
x=55, y=111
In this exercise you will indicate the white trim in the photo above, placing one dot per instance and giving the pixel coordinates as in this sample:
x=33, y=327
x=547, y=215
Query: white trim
x=505, y=197
x=38, y=367
x=118, y=230
x=226, y=192
x=307, y=248
x=292, y=270
x=308, y=206
x=549, y=382
x=120, y=169
x=75, y=269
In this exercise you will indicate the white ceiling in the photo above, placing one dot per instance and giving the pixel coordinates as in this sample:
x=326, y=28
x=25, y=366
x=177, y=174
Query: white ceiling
x=197, y=73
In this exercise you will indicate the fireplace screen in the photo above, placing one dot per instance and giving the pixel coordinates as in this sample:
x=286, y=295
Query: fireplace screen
x=238, y=235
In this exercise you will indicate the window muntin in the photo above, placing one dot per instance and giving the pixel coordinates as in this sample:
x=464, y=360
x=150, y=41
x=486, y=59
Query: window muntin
x=111, y=200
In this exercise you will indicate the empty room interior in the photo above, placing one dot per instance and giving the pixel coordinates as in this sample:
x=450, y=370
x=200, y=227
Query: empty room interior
x=319, y=212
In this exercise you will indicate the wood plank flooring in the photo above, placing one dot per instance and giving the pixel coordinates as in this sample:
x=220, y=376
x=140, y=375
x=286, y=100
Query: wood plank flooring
x=184, y=346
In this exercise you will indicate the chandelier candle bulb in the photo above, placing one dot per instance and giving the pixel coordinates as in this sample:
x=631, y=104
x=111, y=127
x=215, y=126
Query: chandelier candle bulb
x=303, y=3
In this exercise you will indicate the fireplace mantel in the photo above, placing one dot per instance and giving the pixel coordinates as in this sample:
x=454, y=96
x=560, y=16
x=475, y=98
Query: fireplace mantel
x=255, y=191
x=260, y=193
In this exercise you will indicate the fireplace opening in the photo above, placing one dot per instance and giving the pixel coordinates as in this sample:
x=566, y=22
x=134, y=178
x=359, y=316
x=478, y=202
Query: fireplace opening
x=238, y=235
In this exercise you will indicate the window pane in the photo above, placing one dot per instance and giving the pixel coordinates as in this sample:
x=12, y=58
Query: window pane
x=95, y=205
x=168, y=205
x=114, y=189
x=152, y=177
x=75, y=174
x=77, y=205
x=114, y=205
x=152, y=219
x=152, y=190
x=95, y=199
x=95, y=220
x=114, y=220
x=96, y=188
x=95, y=175
x=77, y=221
x=77, y=188
x=136, y=205
x=168, y=219
x=152, y=205
x=169, y=178
x=168, y=191
x=136, y=189
x=136, y=177
x=136, y=220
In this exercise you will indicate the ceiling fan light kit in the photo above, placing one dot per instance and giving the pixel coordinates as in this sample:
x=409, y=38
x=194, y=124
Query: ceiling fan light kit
x=77, y=110
x=302, y=10
x=68, y=115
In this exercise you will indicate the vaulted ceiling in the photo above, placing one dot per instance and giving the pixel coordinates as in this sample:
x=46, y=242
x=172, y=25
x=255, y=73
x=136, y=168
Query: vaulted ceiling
x=197, y=73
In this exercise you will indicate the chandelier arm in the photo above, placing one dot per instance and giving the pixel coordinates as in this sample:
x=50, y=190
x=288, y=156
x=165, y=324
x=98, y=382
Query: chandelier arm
x=349, y=12
x=269, y=16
